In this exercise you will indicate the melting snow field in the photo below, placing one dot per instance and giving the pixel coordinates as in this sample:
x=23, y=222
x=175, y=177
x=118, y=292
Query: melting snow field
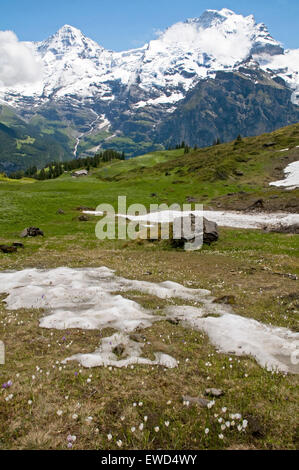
x=291, y=180
x=222, y=218
x=90, y=299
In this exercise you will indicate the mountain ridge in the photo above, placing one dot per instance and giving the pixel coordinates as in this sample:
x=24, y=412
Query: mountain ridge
x=129, y=95
x=179, y=56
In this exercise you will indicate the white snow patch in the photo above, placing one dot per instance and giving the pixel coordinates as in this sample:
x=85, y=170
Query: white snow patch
x=272, y=347
x=95, y=213
x=292, y=177
x=222, y=218
x=104, y=355
x=251, y=220
x=75, y=298
x=87, y=299
x=105, y=122
x=163, y=99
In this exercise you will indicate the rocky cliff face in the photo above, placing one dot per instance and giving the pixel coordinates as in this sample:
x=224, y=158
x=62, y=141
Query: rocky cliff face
x=247, y=102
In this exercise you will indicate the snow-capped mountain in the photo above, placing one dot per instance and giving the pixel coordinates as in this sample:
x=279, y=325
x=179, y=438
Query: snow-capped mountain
x=109, y=89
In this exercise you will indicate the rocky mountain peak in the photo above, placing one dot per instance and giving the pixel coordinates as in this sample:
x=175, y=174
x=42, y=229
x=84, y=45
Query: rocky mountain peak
x=67, y=39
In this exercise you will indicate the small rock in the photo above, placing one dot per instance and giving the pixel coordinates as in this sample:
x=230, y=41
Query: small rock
x=259, y=204
x=173, y=321
x=24, y=233
x=84, y=208
x=191, y=199
x=196, y=401
x=119, y=350
x=214, y=392
x=83, y=218
x=280, y=228
x=18, y=245
x=31, y=232
x=8, y=249
x=255, y=427
x=60, y=212
x=138, y=338
x=225, y=299
x=269, y=144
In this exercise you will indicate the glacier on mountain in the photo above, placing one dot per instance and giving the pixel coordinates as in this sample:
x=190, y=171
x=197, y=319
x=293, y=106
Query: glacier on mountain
x=164, y=69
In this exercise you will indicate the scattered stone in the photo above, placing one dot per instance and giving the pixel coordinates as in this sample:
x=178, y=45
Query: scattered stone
x=31, y=232
x=282, y=228
x=154, y=195
x=138, y=338
x=294, y=277
x=60, y=212
x=173, y=321
x=84, y=208
x=214, y=392
x=255, y=427
x=119, y=350
x=8, y=249
x=83, y=218
x=18, y=245
x=196, y=401
x=191, y=199
x=257, y=205
x=225, y=299
x=269, y=144
x=239, y=173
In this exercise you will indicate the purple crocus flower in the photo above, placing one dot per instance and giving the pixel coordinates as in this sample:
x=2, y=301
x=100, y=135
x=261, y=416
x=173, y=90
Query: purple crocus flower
x=7, y=384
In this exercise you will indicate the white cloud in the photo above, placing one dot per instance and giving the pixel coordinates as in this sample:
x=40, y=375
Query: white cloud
x=225, y=47
x=226, y=44
x=18, y=63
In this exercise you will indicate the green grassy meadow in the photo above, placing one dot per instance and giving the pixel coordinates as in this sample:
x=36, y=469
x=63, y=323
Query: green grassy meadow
x=51, y=401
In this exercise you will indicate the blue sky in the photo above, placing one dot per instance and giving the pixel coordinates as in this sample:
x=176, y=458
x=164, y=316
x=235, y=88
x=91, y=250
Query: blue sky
x=125, y=24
